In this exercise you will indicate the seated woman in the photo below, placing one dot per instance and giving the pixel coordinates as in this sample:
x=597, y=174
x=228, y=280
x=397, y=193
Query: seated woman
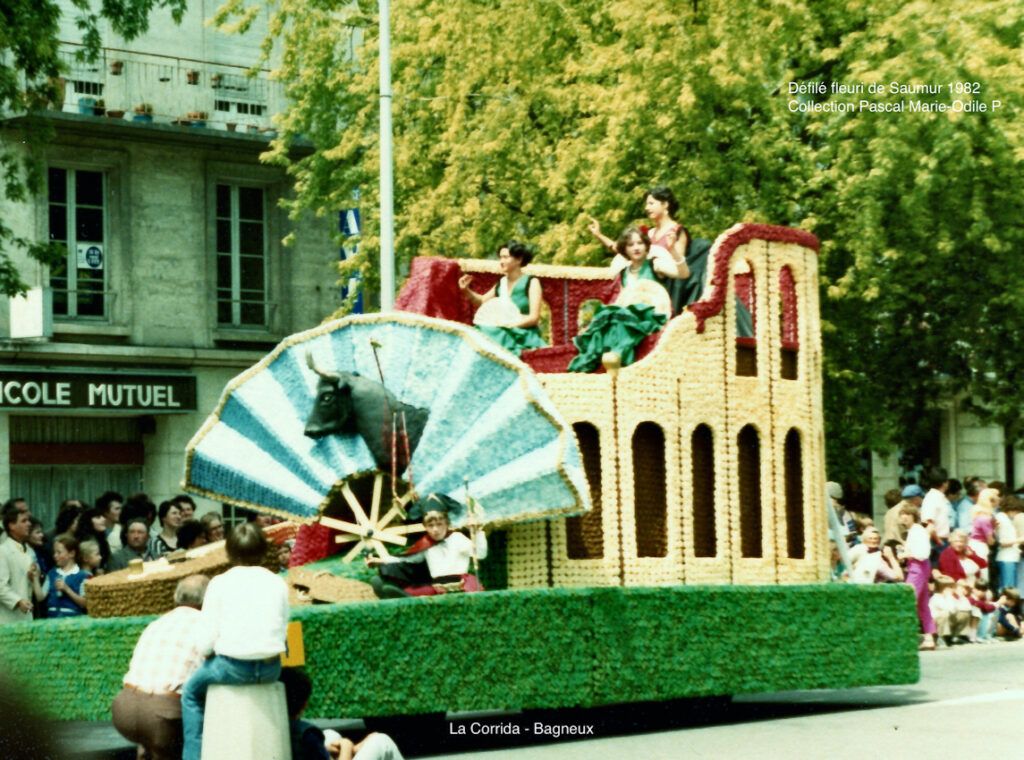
x=870, y=562
x=642, y=308
x=512, y=320
x=447, y=555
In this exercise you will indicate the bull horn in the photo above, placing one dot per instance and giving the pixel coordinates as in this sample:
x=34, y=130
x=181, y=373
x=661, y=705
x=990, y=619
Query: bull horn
x=324, y=374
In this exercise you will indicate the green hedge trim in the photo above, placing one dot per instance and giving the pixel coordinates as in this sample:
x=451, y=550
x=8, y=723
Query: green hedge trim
x=530, y=649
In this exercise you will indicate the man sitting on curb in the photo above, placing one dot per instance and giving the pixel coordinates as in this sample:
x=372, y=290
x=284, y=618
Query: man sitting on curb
x=147, y=711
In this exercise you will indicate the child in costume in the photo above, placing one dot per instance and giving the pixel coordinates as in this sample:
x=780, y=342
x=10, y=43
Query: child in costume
x=63, y=588
x=446, y=555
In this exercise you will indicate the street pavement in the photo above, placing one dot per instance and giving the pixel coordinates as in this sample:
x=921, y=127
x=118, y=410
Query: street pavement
x=970, y=699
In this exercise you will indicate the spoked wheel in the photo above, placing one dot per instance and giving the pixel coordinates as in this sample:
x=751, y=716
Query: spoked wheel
x=366, y=528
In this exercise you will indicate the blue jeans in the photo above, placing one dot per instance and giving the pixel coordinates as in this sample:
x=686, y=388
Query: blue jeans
x=987, y=626
x=1007, y=574
x=218, y=669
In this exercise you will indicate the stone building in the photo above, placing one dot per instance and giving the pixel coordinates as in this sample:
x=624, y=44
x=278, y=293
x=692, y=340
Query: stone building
x=176, y=277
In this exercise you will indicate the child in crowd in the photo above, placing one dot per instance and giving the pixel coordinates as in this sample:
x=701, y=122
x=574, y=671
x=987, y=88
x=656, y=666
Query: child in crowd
x=91, y=557
x=64, y=587
x=37, y=540
x=245, y=616
x=983, y=620
x=1008, y=614
x=446, y=553
x=951, y=611
x=310, y=743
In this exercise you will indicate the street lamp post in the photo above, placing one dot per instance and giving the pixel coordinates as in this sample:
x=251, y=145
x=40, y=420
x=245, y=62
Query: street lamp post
x=387, y=210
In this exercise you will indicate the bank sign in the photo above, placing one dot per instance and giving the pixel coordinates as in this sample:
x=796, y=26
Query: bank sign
x=97, y=391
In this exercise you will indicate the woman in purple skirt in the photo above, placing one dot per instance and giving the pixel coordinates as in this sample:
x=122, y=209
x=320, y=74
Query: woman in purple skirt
x=919, y=569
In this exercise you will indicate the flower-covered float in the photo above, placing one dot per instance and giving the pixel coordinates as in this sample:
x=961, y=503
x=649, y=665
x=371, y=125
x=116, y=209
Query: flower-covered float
x=635, y=515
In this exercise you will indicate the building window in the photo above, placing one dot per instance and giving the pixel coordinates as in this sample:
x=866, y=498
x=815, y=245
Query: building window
x=584, y=534
x=788, y=324
x=650, y=504
x=749, y=445
x=794, y=470
x=84, y=87
x=241, y=256
x=746, y=320
x=702, y=454
x=250, y=109
x=77, y=220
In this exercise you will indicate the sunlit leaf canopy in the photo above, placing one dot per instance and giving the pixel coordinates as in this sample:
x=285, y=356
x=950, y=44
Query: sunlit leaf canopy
x=518, y=118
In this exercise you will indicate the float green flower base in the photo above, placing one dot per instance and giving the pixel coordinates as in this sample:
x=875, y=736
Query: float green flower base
x=529, y=649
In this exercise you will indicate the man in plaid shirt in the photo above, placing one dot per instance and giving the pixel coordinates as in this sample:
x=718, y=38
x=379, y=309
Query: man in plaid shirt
x=147, y=711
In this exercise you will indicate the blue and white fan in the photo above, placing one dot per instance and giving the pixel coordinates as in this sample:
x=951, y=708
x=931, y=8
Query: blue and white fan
x=491, y=435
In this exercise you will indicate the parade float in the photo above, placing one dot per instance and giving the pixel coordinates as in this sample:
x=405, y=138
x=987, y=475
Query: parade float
x=657, y=531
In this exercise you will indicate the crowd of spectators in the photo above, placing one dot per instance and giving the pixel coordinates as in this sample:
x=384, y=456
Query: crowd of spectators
x=228, y=630
x=957, y=544
x=42, y=573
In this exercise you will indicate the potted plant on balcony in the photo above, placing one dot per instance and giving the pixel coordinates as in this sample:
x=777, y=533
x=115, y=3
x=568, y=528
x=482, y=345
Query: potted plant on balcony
x=192, y=76
x=216, y=80
x=196, y=118
x=143, y=113
x=100, y=108
x=115, y=113
x=116, y=67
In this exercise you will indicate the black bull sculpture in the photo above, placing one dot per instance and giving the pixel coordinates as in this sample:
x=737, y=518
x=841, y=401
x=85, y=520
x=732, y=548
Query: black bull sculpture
x=347, y=403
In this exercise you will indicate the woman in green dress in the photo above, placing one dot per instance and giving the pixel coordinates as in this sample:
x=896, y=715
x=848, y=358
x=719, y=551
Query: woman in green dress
x=643, y=306
x=521, y=296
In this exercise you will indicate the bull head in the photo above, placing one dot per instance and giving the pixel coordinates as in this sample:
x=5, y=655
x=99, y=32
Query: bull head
x=333, y=405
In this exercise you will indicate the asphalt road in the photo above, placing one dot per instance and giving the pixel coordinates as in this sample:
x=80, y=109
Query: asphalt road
x=970, y=700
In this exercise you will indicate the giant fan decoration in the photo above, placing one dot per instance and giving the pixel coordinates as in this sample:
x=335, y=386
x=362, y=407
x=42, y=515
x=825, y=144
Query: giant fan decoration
x=490, y=430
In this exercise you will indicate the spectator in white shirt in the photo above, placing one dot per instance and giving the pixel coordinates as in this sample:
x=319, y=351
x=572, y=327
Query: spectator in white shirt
x=935, y=511
x=17, y=563
x=1008, y=542
x=951, y=610
x=919, y=570
x=244, y=621
x=872, y=563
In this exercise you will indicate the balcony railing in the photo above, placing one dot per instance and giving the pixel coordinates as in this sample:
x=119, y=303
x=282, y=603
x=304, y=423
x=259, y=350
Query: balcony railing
x=177, y=90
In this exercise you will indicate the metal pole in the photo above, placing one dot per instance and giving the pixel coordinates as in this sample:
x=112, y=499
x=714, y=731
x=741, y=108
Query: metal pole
x=387, y=210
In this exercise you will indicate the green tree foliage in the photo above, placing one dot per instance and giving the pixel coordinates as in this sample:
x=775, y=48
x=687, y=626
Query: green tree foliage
x=30, y=68
x=520, y=117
